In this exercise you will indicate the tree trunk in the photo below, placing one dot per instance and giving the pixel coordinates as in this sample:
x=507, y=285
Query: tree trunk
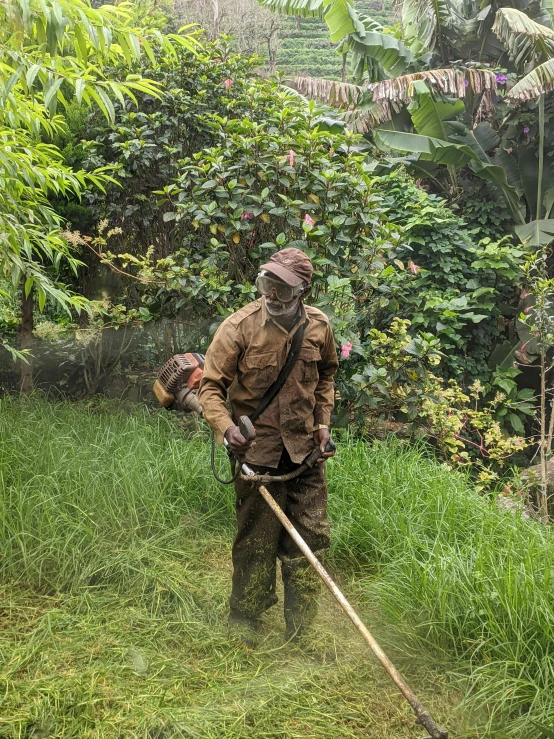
x=343, y=71
x=26, y=341
x=272, y=47
x=215, y=5
x=543, y=503
x=297, y=20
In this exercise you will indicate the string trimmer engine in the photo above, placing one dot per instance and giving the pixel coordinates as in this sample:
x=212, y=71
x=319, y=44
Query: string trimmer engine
x=178, y=382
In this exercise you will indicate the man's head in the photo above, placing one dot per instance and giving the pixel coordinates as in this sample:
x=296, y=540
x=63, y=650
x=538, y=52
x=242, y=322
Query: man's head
x=284, y=281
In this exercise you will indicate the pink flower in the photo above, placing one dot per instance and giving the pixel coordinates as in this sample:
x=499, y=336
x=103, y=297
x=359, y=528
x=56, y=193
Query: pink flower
x=291, y=158
x=247, y=216
x=308, y=220
x=345, y=349
x=524, y=346
x=228, y=83
x=528, y=309
x=414, y=269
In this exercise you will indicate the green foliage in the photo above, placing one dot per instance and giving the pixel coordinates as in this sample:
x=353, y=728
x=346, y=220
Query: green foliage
x=277, y=177
x=147, y=145
x=50, y=52
x=468, y=577
x=382, y=248
x=484, y=210
x=396, y=382
x=448, y=285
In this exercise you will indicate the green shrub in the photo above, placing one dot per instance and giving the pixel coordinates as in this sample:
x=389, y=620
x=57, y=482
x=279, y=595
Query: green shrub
x=147, y=144
x=463, y=292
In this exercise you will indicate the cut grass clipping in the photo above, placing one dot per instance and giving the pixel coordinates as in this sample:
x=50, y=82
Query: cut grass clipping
x=115, y=574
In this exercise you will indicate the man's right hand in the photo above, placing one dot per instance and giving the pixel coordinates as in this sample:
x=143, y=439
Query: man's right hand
x=237, y=443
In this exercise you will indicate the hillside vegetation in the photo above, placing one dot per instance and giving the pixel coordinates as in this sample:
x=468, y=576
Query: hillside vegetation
x=304, y=46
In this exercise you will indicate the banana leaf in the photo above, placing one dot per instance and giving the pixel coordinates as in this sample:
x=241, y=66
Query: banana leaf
x=429, y=148
x=536, y=233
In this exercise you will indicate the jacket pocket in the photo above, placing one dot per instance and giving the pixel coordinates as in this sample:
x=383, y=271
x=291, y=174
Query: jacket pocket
x=262, y=368
x=309, y=357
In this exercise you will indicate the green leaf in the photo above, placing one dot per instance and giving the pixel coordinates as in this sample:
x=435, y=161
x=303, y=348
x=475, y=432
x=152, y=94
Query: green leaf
x=338, y=19
x=304, y=8
x=536, y=233
x=31, y=74
x=503, y=356
x=546, y=730
x=393, y=56
x=329, y=125
x=428, y=115
x=516, y=424
x=41, y=298
x=79, y=88
x=428, y=148
x=50, y=94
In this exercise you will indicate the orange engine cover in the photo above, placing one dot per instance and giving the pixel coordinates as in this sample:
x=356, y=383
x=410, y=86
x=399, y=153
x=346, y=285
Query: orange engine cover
x=181, y=370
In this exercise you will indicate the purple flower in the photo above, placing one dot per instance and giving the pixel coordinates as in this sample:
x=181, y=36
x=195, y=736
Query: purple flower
x=526, y=129
x=501, y=78
x=466, y=83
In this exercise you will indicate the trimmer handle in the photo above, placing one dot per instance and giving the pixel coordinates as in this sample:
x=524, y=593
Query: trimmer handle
x=317, y=453
x=246, y=428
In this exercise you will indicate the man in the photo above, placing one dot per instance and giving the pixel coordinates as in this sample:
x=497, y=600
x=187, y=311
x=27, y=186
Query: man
x=244, y=359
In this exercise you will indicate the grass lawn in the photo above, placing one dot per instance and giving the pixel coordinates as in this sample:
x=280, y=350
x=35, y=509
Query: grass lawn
x=115, y=574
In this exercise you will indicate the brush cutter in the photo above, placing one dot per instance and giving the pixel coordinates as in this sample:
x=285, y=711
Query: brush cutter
x=176, y=385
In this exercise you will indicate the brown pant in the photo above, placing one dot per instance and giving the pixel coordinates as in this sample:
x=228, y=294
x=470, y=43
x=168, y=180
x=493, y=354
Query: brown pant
x=261, y=539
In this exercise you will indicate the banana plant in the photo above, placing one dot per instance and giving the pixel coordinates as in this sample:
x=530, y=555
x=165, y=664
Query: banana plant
x=528, y=188
x=373, y=52
x=435, y=32
x=531, y=44
x=461, y=29
x=440, y=138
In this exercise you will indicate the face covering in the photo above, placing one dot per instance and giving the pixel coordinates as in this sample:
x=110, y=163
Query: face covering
x=282, y=310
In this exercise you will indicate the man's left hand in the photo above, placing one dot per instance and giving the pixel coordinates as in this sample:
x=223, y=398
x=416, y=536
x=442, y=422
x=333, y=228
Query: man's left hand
x=321, y=437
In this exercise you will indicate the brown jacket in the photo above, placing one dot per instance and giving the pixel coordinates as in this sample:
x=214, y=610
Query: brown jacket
x=245, y=357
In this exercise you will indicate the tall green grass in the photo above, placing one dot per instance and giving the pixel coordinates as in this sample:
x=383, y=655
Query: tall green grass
x=456, y=573
x=114, y=579
x=84, y=488
x=96, y=498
